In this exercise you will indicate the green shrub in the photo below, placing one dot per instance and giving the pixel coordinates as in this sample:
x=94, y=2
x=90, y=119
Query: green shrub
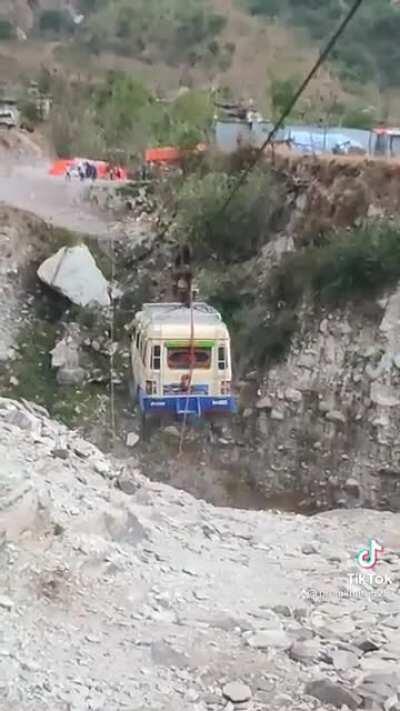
x=7, y=31
x=243, y=226
x=174, y=29
x=281, y=93
x=55, y=21
x=369, y=49
x=350, y=264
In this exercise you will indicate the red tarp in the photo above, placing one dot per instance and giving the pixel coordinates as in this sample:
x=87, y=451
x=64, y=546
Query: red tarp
x=170, y=154
x=60, y=167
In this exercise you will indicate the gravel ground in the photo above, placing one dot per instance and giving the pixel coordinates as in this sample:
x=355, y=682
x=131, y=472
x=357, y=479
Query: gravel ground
x=119, y=593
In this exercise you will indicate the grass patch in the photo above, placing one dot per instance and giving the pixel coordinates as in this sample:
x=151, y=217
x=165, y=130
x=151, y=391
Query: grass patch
x=353, y=264
x=36, y=380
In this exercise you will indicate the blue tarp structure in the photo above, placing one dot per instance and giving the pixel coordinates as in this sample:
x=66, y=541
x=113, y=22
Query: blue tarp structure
x=317, y=142
x=229, y=134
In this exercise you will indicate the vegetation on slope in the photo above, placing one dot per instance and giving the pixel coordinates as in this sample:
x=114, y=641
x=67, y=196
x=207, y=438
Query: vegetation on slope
x=262, y=304
x=121, y=116
x=174, y=29
x=370, y=49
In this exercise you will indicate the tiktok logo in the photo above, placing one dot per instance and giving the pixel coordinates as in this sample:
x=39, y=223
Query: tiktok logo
x=367, y=558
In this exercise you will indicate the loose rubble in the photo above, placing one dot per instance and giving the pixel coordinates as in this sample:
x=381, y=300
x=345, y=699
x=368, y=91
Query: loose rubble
x=121, y=593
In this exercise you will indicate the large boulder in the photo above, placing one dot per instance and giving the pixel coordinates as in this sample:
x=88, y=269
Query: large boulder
x=73, y=272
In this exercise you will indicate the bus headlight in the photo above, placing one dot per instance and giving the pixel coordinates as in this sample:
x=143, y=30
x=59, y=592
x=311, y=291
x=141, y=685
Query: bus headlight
x=151, y=387
x=225, y=387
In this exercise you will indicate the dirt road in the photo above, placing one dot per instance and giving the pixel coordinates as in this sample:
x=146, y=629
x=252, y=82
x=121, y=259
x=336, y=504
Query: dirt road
x=53, y=199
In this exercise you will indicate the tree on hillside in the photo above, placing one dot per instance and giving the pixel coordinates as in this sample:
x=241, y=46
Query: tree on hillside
x=7, y=31
x=171, y=29
x=55, y=21
x=281, y=92
x=370, y=48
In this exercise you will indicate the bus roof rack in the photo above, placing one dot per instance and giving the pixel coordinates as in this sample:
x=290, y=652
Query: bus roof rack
x=175, y=311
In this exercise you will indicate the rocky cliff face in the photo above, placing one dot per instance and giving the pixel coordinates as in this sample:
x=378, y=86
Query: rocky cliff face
x=326, y=421
x=328, y=417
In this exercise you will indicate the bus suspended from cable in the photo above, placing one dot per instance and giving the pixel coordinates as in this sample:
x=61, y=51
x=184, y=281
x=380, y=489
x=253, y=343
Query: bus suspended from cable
x=181, y=361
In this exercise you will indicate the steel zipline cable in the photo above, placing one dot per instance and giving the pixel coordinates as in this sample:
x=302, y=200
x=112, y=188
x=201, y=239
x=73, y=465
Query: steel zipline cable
x=287, y=111
x=303, y=86
x=243, y=177
x=292, y=103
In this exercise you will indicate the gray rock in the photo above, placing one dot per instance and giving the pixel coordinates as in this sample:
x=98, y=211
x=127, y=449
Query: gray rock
x=293, y=395
x=172, y=431
x=383, y=395
x=102, y=468
x=282, y=610
x=22, y=419
x=132, y=439
x=83, y=449
x=366, y=643
x=330, y=693
x=236, y=692
x=65, y=353
x=73, y=272
x=67, y=376
x=308, y=549
x=335, y=416
x=6, y=603
x=60, y=453
x=270, y=638
x=277, y=415
x=352, y=486
x=305, y=652
x=264, y=404
x=343, y=660
x=127, y=483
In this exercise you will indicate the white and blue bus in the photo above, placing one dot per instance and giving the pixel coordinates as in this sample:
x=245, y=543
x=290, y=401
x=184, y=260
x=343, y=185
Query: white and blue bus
x=181, y=361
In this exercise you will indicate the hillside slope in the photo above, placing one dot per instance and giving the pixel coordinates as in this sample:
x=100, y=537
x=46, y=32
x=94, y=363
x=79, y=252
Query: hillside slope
x=235, y=50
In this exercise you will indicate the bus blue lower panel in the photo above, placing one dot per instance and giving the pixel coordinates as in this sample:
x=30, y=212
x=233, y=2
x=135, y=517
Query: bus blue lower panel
x=192, y=405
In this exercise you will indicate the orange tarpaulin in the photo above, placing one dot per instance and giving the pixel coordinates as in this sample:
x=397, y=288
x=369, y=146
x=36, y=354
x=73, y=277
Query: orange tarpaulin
x=170, y=154
x=59, y=167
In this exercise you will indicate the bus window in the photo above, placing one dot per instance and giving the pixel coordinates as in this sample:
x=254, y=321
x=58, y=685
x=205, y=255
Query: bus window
x=179, y=358
x=222, y=361
x=156, y=358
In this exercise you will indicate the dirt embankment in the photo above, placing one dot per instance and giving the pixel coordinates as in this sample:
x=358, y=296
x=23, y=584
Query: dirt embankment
x=336, y=192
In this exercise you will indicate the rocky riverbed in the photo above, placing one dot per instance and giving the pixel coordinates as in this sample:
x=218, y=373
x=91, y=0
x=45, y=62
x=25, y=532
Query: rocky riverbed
x=119, y=593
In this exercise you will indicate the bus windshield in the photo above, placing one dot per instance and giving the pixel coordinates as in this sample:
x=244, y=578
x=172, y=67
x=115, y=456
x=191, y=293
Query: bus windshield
x=178, y=358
